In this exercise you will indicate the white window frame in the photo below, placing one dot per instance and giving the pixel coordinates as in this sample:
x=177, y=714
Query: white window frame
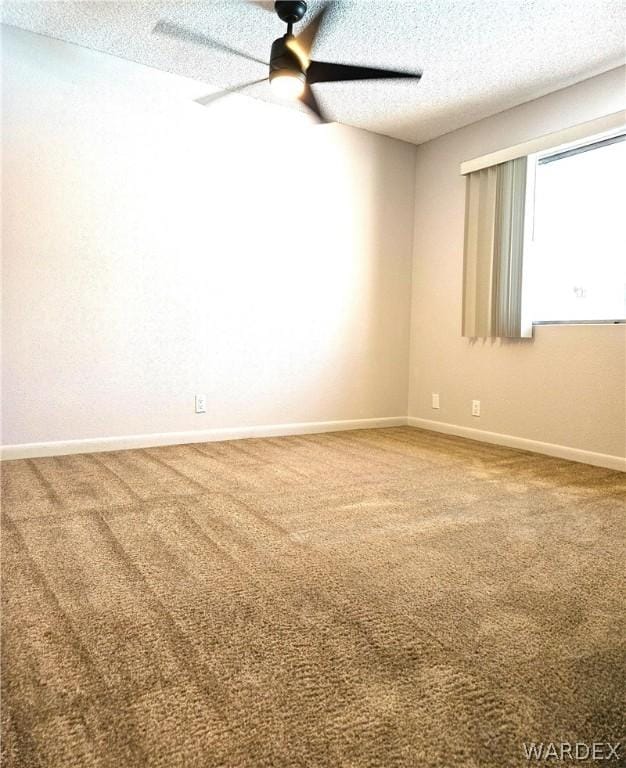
x=529, y=226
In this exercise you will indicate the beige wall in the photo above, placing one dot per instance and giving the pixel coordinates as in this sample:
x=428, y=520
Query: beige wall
x=568, y=385
x=154, y=249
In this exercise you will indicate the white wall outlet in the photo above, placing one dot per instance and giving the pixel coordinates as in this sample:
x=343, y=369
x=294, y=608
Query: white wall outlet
x=435, y=401
x=200, y=403
x=475, y=407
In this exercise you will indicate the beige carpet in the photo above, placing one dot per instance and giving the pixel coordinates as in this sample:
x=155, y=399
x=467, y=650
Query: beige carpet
x=371, y=598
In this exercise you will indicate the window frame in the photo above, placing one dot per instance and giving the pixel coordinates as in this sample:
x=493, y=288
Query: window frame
x=533, y=160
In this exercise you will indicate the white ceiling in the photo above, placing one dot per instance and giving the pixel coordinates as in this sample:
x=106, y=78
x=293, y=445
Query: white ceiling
x=478, y=57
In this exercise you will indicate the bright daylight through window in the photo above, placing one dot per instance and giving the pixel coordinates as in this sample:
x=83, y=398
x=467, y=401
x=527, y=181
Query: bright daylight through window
x=577, y=255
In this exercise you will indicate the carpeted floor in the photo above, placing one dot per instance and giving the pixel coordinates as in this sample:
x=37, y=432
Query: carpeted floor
x=371, y=598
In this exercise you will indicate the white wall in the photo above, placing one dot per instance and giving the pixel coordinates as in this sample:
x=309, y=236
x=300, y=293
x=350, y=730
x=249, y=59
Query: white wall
x=568, y=385
x=154, y=249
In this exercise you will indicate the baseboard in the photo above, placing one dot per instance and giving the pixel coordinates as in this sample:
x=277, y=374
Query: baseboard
x=523, y=443
x=124, y=442
x=94, y=445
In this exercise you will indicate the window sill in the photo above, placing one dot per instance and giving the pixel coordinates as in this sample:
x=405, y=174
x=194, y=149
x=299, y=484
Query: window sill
x=579, y=322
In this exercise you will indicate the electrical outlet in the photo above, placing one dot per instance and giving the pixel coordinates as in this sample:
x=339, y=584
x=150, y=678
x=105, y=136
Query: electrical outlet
x=475, y=407
x=435, y=401
x=200, y=403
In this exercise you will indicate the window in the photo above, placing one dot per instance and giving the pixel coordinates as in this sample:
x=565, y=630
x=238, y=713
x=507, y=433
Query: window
x=575, y=248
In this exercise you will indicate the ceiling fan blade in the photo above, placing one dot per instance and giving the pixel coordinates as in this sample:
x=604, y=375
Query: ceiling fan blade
x=169, y=29
x=206, y=101
x=309, y=100
x=306, y=36
x=324, y=72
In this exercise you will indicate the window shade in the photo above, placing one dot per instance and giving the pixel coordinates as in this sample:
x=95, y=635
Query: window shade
x=493, y=254
x=607, y=123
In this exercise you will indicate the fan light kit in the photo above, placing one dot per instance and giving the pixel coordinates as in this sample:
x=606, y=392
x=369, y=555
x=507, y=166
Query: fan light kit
x=291, y=70
x=288, y=86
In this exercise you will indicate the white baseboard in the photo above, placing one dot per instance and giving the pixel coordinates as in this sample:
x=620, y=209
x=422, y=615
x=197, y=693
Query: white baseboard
x=93, y=445
x=535, y=446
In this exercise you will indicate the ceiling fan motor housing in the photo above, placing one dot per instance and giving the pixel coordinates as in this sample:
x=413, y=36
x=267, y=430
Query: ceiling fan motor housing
x=284, y=61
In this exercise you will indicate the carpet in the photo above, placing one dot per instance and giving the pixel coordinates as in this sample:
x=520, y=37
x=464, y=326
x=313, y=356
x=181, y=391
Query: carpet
x=389, y=597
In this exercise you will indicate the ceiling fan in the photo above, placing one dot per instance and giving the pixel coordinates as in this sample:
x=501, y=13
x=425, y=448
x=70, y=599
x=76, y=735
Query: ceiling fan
x=291, y=70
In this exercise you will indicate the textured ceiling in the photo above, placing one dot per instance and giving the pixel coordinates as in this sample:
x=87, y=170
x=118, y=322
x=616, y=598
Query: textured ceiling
x=478, y=57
